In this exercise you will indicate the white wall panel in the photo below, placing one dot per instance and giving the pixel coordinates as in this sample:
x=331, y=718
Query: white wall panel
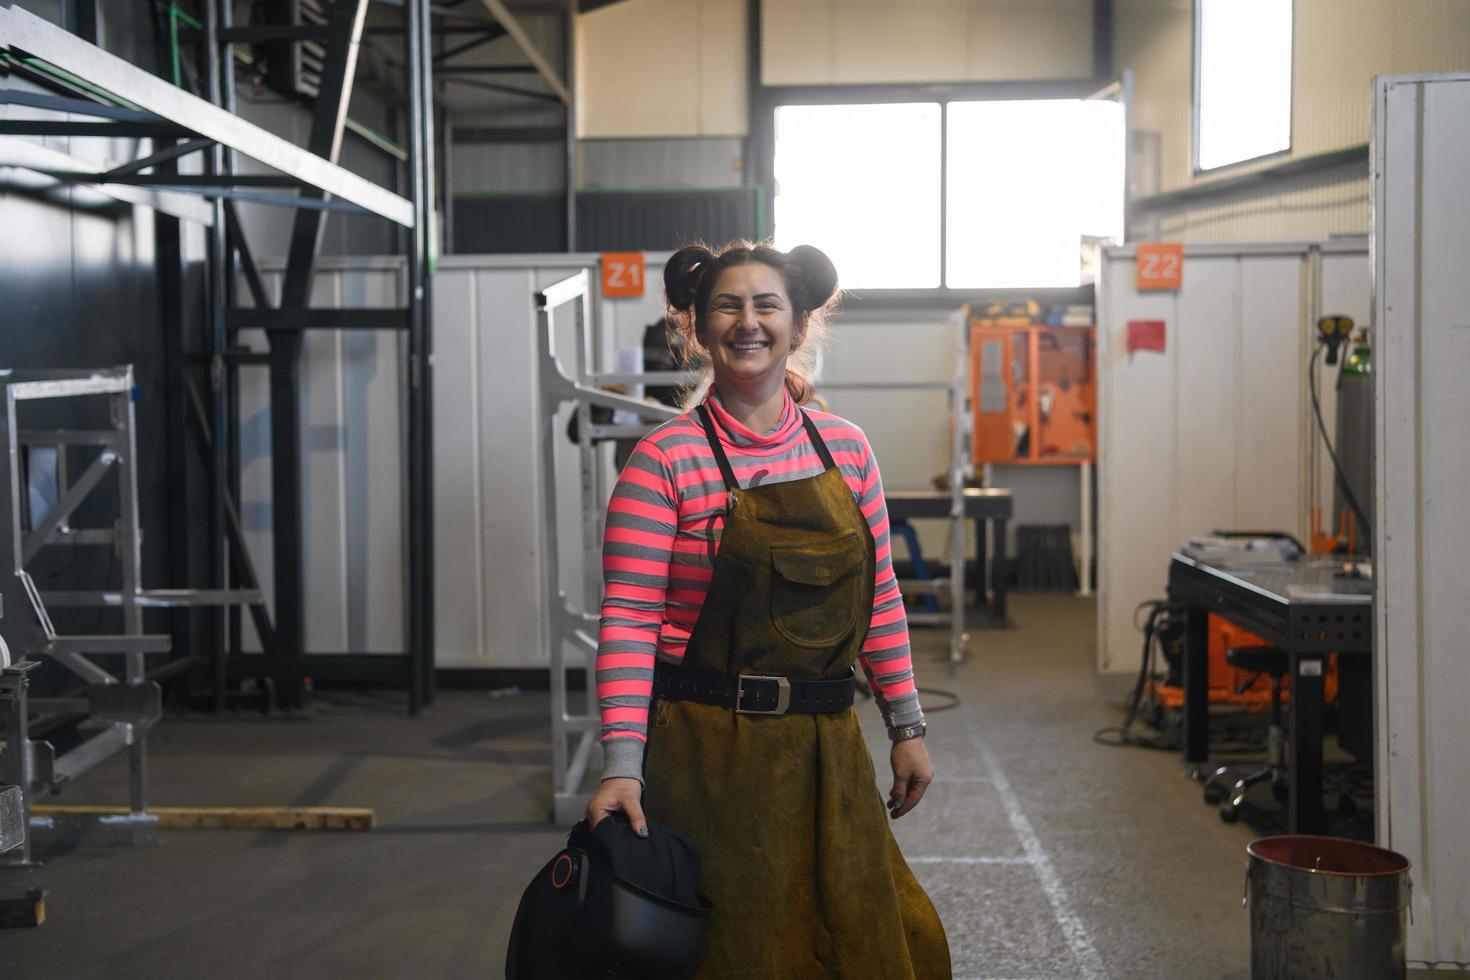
x=1202, y=338
x=662, y=68
x=826, y=42
x=352, y=479
x=1212, y=433
x=1269, y=373
x=1137, y=493
x=1421, y=225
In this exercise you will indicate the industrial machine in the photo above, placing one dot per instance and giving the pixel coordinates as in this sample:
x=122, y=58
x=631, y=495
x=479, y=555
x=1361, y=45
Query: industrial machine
x=1034, y=389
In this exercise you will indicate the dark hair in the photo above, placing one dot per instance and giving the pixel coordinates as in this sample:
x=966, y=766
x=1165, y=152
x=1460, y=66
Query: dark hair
x=811, y=285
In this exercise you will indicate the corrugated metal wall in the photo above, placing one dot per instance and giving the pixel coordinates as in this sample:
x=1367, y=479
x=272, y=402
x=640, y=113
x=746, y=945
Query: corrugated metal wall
x=606, y=221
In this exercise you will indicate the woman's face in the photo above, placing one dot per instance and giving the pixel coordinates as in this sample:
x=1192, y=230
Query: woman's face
x=750, y=328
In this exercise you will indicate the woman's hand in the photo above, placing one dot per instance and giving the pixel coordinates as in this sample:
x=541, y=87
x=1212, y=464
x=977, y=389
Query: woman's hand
x=912, y=774
x=614, y=794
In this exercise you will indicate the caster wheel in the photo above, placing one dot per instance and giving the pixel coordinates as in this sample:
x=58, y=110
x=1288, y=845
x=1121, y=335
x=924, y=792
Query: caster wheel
x=1280, y=791
x=1214, y=794
x=1229, y=814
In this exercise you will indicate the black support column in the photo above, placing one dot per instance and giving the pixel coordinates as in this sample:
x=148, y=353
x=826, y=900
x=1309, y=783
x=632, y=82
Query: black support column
x=328, y=121
x=418, y=85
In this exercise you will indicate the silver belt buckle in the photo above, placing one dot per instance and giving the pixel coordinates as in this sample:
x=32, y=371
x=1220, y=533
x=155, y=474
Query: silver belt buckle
x=783, y=695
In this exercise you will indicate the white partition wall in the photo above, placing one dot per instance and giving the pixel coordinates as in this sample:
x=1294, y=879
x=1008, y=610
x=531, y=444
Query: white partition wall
x=1214, y=432
x=1421, y=222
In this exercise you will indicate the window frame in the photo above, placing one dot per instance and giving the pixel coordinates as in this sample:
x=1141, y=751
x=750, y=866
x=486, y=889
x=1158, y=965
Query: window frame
x=1196, y=57
x=769, y=98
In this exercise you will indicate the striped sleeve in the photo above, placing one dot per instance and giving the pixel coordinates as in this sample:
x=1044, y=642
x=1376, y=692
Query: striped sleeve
x=638, y=544
x=885, y=657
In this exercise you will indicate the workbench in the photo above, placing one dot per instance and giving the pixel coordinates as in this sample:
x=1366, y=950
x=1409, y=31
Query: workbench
x=988, y=506
x=1307, y=609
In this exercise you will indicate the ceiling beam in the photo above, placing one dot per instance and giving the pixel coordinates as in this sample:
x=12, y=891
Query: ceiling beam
x=506, y=19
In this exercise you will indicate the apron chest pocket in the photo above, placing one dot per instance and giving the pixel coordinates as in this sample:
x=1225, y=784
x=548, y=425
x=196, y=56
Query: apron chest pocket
x=816, y=589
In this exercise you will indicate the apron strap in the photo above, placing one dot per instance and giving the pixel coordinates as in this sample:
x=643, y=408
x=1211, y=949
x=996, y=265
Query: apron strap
x=714, y=443
x=728, y=473
x=816, y=438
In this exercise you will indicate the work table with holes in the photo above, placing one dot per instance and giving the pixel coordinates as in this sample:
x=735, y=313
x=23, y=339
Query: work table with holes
x=1307, y=609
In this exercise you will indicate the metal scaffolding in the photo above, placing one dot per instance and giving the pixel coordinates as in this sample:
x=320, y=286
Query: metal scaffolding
x=103, y=95
x=82, y=90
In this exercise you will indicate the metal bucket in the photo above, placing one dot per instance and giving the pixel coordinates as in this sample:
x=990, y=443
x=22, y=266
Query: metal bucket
x=1324, y=907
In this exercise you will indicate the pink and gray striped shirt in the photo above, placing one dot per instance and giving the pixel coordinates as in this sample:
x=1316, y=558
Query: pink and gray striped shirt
x=663, y=530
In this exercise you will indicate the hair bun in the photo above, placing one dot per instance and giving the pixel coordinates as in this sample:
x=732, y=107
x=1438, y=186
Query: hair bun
x=682, y=274
x=818, y=275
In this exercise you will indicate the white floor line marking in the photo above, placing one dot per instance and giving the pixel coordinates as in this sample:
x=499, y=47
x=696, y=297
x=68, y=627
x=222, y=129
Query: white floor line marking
x=968, y=860
x=1051, y=883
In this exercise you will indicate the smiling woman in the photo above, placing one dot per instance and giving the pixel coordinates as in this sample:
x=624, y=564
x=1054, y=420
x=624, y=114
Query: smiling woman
x=748, y=572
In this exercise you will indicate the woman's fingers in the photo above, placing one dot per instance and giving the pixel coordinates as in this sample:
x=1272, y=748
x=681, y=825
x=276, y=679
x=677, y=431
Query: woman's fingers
x=618, y=794
x=912, y=774
x=634, y=810
x=912, y=794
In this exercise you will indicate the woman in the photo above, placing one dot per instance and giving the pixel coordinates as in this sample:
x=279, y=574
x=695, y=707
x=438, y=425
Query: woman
x=747, y=568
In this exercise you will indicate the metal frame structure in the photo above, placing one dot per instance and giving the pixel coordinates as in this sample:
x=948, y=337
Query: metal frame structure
x=118, y=711
x=115, y=98
x=559, y=385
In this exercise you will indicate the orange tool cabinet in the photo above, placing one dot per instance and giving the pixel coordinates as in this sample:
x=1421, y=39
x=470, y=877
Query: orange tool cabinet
x=1034, y=392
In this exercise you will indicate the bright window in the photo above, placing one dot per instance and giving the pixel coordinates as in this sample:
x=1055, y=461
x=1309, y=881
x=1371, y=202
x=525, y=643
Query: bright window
x=1242, y=80
x=1033, y=188
x=861, y=182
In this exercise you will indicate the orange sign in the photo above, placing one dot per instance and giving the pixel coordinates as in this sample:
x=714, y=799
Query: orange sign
x=1160, y=265
x=622, y=274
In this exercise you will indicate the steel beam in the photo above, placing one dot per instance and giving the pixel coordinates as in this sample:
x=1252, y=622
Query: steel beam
x=506, y=19
x=307, y=318
x=419, y=66
x=105, y=130
x=25, y=32
x=248, y=266
x=493, y=33
x=75, y=494
x=165, y=155
x=339, y=64
x=59, y=166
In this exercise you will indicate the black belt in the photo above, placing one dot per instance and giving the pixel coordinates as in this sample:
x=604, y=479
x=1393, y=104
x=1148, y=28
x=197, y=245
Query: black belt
x=753, y=694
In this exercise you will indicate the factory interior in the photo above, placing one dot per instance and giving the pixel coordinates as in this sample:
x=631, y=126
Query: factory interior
x=414, y=460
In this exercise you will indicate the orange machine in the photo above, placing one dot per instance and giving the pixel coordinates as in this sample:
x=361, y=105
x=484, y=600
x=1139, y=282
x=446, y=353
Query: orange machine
x=1034, y=391
x=1226, y=682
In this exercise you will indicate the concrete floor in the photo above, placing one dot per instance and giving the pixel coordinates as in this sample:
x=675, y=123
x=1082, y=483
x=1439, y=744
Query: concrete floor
x=1046, y=855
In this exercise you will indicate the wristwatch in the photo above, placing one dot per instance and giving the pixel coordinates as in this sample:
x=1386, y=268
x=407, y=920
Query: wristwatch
x=907, y=732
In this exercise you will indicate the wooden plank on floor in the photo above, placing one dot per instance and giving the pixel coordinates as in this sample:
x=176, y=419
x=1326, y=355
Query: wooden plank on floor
x=23, y=912
x=234, y=817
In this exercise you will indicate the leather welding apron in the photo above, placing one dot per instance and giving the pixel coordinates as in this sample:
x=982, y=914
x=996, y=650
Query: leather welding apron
x=793, y=835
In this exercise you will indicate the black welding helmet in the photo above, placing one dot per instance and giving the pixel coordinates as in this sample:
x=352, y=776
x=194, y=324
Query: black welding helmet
x=612, y=904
